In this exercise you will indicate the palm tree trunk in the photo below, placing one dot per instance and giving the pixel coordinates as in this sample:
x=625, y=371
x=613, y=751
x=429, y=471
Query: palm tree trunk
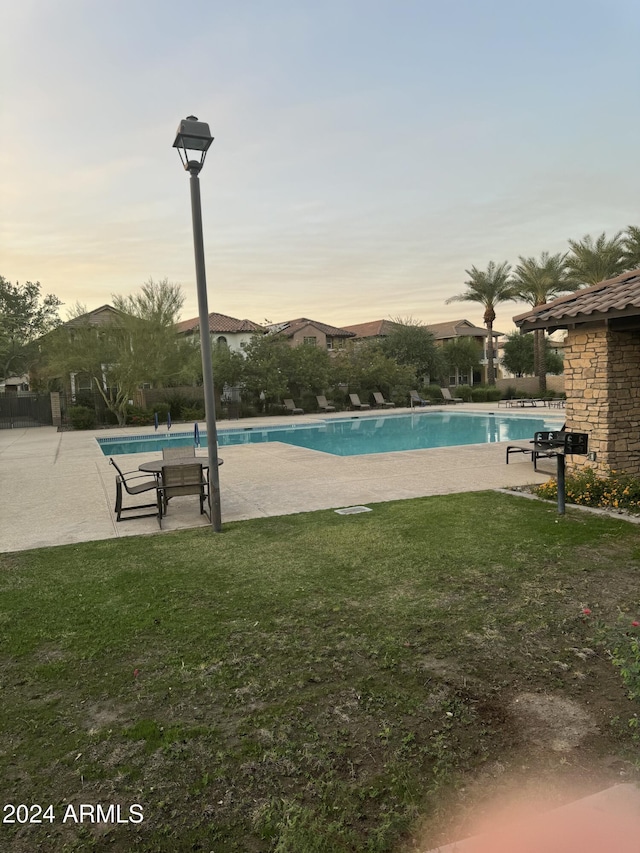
x=539, y=359
x=491, y=373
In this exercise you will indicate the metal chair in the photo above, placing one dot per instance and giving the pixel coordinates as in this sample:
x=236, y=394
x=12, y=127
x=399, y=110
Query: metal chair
x=178, y=452
x=178, y=480
x=127, y=482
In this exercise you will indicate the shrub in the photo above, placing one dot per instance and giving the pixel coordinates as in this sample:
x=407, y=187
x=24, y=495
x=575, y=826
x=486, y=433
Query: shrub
x=162, y=409
x=176, y=401
x=615, y=491
x=82, y=417
x=138, y=417
x=464, y=391
x=192, y=413
x=433, y=393
x=485, y=394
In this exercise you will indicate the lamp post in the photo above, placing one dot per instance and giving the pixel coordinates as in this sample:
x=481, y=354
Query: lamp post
x=195, y=137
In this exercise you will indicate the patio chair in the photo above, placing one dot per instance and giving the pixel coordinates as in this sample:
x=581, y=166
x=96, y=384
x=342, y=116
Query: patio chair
x=381, y=403
x=356, y=404
x=178, y=452
x=323, y=405
x=134, y=484
x=416, y=399
x=291, y=407
x=179, y=480
x=446, y=396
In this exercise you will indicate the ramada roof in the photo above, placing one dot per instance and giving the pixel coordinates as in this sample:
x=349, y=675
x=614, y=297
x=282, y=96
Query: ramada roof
x=290, y=327
x=613, y=299
x=219, y=323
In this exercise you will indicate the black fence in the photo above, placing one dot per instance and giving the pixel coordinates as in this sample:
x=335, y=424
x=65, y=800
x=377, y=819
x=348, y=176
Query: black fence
x=90, y=400
x=25, y=410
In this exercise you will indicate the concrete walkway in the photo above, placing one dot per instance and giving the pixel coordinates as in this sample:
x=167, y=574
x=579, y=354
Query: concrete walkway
x=58, y=487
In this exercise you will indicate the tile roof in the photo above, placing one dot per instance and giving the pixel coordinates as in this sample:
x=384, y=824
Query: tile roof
x=219, y=323
x=290, y=327
x=457, y=329
x=376, y=328
x=615, y=297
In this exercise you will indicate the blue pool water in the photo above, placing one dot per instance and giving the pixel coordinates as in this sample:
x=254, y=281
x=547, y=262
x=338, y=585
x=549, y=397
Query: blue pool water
x=354, y=436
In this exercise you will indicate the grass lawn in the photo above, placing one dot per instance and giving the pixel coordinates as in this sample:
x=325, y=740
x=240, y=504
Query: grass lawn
x=314, y=682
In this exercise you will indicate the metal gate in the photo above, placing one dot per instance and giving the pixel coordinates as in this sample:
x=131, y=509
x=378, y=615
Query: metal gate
x=25, y=410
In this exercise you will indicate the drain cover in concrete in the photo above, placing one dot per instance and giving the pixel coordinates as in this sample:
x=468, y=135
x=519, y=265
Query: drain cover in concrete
x=352, y=510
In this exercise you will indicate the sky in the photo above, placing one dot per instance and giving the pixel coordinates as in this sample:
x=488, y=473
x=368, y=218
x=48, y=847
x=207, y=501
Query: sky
x=367, y=152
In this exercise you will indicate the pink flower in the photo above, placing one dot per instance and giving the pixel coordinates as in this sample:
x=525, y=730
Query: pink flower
x=635, y=624
x=136, y=673
x=586, y=611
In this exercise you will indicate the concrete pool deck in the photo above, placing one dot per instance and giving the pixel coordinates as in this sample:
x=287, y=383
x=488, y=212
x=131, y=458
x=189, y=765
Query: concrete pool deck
x=58, y=488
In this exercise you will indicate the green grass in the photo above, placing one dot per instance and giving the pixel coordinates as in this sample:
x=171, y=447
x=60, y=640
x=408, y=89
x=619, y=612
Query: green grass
x=296, y=684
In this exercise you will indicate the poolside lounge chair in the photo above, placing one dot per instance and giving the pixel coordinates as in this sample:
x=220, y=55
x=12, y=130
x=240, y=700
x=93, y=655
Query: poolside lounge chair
x=178, y=480
x=323, y=405
x=129, y=482
x=381, y=403
x=416, y=399
x=291, y=407
x=356, y=404
x=530, y=447
x=446, y=396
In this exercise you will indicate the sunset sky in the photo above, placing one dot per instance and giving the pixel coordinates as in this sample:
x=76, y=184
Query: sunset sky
x=367, y=152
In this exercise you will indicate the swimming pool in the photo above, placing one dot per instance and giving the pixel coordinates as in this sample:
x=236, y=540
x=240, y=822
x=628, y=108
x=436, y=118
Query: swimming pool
x=356, y=436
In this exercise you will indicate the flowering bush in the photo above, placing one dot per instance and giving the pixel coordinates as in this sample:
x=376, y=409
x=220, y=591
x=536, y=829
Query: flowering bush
x=615, y=491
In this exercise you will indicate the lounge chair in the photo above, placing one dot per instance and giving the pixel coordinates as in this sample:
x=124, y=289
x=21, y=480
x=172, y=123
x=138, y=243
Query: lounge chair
x=356, y=404
x=291, y=407
x=178, y=480
x=446, y=396
x=323, y=405
x=416, y=399
x=129, y=483
x=536, y=452
x=381, y=403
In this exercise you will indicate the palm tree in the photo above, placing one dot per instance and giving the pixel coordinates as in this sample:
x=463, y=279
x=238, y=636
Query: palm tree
x=488, y=287
x=538, y=282
x=631, y=242
x=591, y=261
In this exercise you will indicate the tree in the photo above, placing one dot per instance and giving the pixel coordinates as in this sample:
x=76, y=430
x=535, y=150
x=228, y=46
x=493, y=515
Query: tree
x=131, y=349
x=266, y=367
x=412, y=344
x=462, y=354
x=366, y=368
x=149, y=318
x=631, y=242
x=519, y=351
x=489, y=288
x=591, y=261
x=25, y=315
x=308, y=368
x=538, y=282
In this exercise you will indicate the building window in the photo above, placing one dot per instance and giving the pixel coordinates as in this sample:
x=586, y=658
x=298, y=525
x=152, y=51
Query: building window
x=222, y=341
x=312, y=341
